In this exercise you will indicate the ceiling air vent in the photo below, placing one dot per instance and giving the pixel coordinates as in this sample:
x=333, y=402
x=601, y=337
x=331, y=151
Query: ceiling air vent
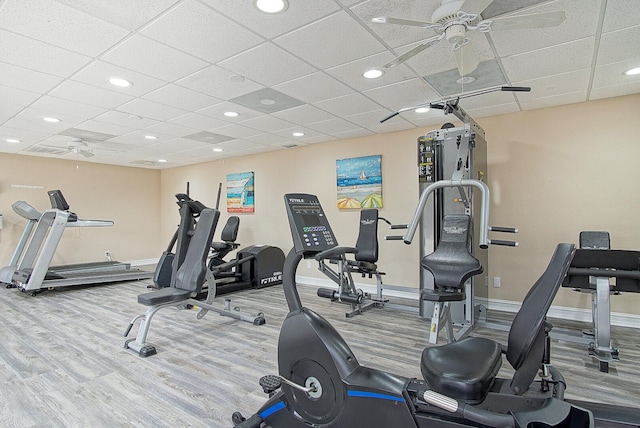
x=47, y=150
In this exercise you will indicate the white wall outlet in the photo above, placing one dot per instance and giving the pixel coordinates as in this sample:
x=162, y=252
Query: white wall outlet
x=496, y=281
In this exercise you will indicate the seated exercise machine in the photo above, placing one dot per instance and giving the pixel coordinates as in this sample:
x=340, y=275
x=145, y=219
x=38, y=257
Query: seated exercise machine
x=363, y=262
x=256, y=266
x=31, y=264
x=598, y=270
x=188, y=274
x=321, y=383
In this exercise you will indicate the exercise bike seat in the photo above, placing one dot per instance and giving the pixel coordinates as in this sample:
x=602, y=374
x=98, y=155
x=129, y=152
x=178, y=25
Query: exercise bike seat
x=228, y=235
x=451, y=264
x=466, y=369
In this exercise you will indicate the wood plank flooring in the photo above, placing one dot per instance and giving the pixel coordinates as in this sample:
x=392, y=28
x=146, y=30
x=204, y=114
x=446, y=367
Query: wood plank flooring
x=63, y=364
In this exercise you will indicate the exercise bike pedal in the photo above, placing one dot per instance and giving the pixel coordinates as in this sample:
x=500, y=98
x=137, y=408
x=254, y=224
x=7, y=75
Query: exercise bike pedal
x=270, y=383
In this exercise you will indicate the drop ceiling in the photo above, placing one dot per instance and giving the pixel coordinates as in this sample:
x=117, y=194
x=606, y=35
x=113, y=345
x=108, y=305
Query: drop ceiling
x=190, y=61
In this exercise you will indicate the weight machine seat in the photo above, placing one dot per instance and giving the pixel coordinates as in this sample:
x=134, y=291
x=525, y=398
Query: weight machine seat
x=451, y=264
x=367, y=244
x=164, y=295
x=465, y=369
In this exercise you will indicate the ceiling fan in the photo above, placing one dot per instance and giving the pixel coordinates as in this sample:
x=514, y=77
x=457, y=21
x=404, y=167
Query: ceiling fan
x=454, y=18
x=76, y=145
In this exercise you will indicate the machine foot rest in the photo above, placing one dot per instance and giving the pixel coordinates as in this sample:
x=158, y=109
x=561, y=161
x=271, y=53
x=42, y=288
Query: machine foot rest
x=145, y=351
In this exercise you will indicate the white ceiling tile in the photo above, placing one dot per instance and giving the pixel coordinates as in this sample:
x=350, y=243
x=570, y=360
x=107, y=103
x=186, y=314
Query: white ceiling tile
x=60, y=25
x=217, y=111
x=494, y=110
x=351, y=72
x=104, y=127
x=267, y=64
x=150, y=109
x=620, y=14
x=354, y=133
x=219, y=83
x=333, y=126
x=98, y=74
x=31, y=118
x=17, y=97
x=403, y=94
x=8, y=110
x=25, y=135
x=328, y=35
x=299, y=12
x=555, y=100
x=553, y=85
x=198, y=121
x=236, y=145
x=549, y=61
x=304, y=114
x=619, y=46
x=29, y=80
x=314, y=88
x=181, y=97
x=123, y=13
x=34, y=55
x=348, y=104
x=152, y=58
x=88, y=94
x=172, y=129
x=392, y=126
x=201, y=31
x=266, y=123
x=309, y=134
x=136, y=139
x=67, y=108
x=372, y=119
x=615, y=91
x=270, y=139
x=126, y=119
x=236, y=131
x=613, y=74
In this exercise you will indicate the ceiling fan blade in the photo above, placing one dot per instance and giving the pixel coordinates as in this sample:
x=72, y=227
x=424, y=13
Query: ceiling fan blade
x=534, y=20
x=466, y=58
x=413, y=52
x=475, y=6
x=397, y=21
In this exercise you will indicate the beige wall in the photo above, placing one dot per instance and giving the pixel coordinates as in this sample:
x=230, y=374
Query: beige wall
x=128, y=196
x=552, y=172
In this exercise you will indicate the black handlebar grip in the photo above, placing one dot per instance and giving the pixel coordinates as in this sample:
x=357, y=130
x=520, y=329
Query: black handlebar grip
x=128, y=330
x=504, y=243
x=253, y=422
x=503, y=229
x=399, y=226
x=516, y=88
x=394, y=238
x=390, y=116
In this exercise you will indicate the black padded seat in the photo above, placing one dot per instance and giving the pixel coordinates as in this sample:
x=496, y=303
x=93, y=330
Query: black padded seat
x=442, y=296
x=451, y=264
x=469, y=375
x=164, y=295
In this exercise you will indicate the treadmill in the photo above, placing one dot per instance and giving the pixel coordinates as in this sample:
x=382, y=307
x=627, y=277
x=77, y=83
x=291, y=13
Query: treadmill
x=32, y=215
x=35, y=274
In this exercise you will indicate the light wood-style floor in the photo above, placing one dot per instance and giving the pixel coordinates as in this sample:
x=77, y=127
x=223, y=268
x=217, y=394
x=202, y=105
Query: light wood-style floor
x=63, y=364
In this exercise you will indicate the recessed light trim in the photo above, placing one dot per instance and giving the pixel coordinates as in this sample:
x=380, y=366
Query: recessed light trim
x=217, y=149
x=374, y=73
x=120, y=82
x=231, y=114
x=632, y=72
x=12, y=140
x=422, y=109
x=51, y=119
x=271, y=6
x=150, y=137
x=298, y=134
x=162, y=160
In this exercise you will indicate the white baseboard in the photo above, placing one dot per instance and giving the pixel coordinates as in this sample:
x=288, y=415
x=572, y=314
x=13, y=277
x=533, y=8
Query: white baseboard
x=560, y=312
x=143, y=262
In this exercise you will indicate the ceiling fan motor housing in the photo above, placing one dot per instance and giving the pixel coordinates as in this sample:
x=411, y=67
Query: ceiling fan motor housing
x=455, y=33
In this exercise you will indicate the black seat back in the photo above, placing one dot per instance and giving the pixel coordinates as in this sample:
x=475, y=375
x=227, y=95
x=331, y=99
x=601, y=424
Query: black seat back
x=525, y=347
x=367, y=243
x=451, y=264
x=190, y=275
x=595, y=239
x=230, y=230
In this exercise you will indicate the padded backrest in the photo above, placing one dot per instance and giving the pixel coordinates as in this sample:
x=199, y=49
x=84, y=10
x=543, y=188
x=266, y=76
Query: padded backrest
x=230, y=230
x=191, y=273
x=57, y=200
x=367, y=243
x=525, y=346
x=451, y=264
x=595, y=239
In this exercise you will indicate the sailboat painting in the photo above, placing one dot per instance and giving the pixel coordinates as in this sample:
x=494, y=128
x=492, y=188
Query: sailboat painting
x=240, y=192
x=359, y=182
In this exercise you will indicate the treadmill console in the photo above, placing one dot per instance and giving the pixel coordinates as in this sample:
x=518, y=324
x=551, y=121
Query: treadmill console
x=310, y=228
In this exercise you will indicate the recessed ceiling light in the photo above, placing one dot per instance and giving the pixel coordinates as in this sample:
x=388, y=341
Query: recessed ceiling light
x=298, y=134
x=162, y=160
x=217, y=149
x=150, y=137
x=422, y=109
x=12, y=140
x=632, y=72
x=117, y=81
x=51, y=119
x=374, y=73
x=271, y=6
x=466, y=79
x=231, y=114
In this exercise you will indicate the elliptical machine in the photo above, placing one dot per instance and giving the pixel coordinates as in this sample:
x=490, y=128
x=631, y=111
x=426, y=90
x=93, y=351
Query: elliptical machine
x=321, y=383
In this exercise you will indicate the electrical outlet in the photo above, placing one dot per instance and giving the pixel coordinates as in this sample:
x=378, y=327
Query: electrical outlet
x=496, y=281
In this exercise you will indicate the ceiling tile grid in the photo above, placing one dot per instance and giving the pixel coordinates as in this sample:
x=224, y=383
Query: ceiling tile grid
x=300, y=70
